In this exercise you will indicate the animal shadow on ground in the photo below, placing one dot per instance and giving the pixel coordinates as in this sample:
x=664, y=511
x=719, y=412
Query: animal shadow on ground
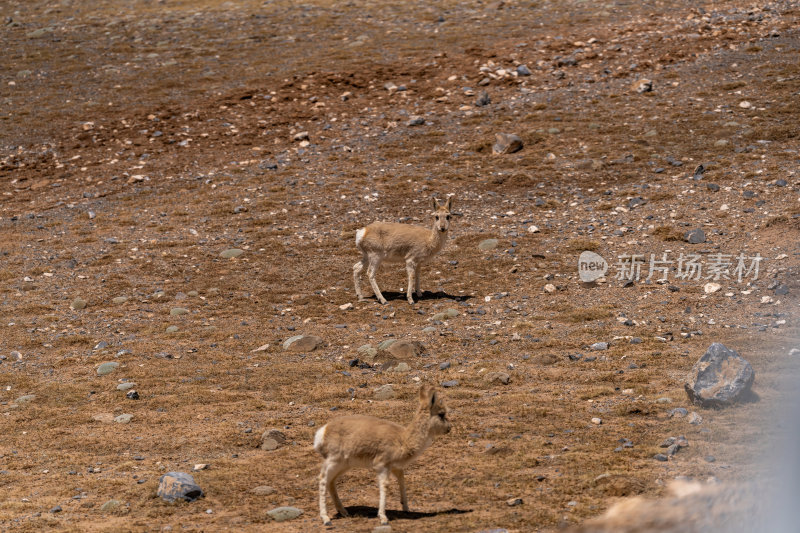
x=426, y=295
x=366, y=511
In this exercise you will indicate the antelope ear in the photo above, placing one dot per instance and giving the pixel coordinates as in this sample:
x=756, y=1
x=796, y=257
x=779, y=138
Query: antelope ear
x=435, y=203
x=449, y=203
x=426, y=396
x=433, y=399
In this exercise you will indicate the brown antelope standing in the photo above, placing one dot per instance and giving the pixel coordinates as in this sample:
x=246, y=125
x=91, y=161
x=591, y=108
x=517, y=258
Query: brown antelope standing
x=368, y=442
x=395, y=243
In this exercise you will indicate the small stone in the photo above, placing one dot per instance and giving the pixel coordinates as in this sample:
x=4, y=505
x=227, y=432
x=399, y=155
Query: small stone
x=302, y=136
x=781, y=183
x=120, y=299
x=498, y=377
x=124, y=418
x=523, y=70
x=107, y=368
x=672, y=450
x=550, y=288
x=263, y=490
x=177, y=311
x=78, y=304
x=695, y=419
x=507, y=143
x=105, y=418
x=450, y=383
x=132, y=395
x=597, y=421
x=110, y=505
x=744, y=104
x=710, y=458
x=200, y=466
x=178, y=485
x=262, y=348
x=695, y=236
x=642, y=86
x=303, y=343
x=404, y=349
x=444, y=366
x=678, y=412
x=231, y=253
x=710, y=288
x=488, y=244
x=415, y=120
x=713, y=187
x=533, y=229
x=126, y=386
x=660, y=457
x=56, y=509
x=282, y=514
x=171, y=329
x=513, y=502
x=101, y=345
x=384, y=392
x=22, y=400
x=272, y=439
x=368, y=353
x=402, y=366
x=599, y=346
x=346, y=307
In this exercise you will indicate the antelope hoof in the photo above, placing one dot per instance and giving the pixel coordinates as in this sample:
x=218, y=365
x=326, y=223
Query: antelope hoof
x=384, y=521
x=344, y=514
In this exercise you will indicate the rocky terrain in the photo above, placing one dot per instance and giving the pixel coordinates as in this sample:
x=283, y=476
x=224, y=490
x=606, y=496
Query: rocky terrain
x=180, y=186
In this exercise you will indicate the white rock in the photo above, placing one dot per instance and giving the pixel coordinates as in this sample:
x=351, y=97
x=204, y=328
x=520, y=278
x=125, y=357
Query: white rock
x=550, y=288
x=710, y=288
x=345, y=307
x=533, y=229
x=597, y=421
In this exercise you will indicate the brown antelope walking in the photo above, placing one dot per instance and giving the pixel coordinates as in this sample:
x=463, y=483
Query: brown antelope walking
x=368, y=442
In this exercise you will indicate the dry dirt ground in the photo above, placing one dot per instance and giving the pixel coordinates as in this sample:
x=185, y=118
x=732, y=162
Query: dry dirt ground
x=141, y=139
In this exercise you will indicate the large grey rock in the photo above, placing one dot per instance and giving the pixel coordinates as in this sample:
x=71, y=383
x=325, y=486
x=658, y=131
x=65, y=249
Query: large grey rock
x=719, y=378
x=178, y=486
